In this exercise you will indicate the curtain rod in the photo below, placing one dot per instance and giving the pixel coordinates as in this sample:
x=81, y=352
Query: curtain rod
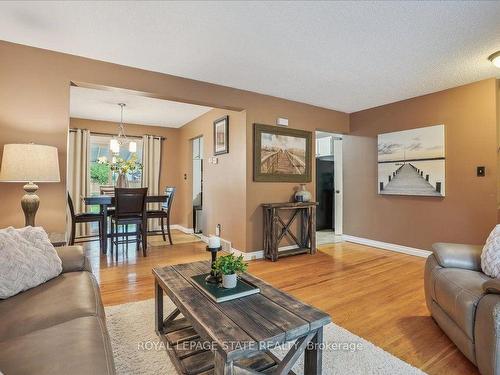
x=111, y=135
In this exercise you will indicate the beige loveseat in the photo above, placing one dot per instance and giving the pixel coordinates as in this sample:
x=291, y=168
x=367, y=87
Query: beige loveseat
x=58, y=327
x=465, y=303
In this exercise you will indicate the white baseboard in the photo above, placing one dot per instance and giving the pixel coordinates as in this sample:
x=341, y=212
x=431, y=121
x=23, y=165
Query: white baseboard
x=202, y=237
x=254, y=255
x=387, y=246
x=182, y=229
x=259, y=254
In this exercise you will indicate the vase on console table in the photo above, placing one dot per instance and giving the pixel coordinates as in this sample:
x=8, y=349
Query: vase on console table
x=302, y=195
x=121, y=181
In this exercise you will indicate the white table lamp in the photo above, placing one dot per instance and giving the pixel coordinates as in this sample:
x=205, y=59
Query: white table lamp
x=29, y=163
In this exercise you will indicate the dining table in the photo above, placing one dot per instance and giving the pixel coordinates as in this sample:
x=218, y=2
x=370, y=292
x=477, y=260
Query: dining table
x=105, y=201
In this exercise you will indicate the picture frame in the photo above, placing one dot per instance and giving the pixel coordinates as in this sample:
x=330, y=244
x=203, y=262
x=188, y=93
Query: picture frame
x=282, y=154
x=412, y=162
x=221, y=135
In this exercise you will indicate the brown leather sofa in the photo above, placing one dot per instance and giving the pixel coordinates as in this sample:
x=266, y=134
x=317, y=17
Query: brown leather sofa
x=58, y=327
x=465, y=303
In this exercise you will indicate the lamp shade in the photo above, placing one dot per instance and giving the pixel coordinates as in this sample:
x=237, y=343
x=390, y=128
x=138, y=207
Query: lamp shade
x=29, y=163
x=132, y=147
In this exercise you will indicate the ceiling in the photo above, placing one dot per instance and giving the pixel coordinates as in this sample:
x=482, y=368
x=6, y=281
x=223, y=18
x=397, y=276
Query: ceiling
x=103, y=105
x=340, y=55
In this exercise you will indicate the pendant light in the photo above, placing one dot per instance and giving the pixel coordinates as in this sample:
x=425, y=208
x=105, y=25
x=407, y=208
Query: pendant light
x=121, y=139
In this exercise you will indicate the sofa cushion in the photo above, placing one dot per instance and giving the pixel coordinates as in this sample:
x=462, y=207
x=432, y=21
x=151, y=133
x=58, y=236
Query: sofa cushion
x=79, y=346
x=457, y=292
x=490, y=257
x=27, y=259
x=69, y=296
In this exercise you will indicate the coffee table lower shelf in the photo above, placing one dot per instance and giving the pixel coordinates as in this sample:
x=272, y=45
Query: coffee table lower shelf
x=185, y=349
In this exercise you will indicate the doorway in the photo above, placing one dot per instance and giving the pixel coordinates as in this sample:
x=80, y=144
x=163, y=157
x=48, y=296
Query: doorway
x=197, y=147
x=328, y=187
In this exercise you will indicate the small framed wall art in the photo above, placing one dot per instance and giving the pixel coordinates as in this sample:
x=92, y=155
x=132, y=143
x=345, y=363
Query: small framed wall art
x=221, y=136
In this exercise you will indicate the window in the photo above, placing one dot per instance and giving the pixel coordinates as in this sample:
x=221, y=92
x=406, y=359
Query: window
x=100, y=174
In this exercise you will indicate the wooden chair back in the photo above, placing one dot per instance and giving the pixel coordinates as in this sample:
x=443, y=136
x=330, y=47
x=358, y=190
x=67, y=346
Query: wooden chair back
x=71, y=207
x=130, y=201
x=107, y=190
x=169, y=198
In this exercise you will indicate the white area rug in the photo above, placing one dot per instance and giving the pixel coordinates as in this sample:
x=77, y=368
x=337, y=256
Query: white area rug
x=137, y=349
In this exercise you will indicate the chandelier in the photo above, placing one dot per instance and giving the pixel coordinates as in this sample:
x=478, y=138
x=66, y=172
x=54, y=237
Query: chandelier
x=121, y=139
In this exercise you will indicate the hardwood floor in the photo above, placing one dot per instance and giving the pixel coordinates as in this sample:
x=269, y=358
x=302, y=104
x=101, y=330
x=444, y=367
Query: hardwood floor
x=373, y=293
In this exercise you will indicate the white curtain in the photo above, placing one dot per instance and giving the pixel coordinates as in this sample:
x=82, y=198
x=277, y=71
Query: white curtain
x=151, y=161
x=78, y=173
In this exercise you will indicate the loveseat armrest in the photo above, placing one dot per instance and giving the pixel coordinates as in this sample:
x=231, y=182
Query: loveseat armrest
x=492, y=286
x=73, y=259
x=487, y=334
x=452, y=255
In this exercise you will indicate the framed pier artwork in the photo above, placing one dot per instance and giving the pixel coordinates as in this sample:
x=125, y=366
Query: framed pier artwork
x=412, y=162
x=282, y=154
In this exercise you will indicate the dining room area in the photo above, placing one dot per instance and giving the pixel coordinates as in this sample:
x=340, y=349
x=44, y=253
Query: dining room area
x=126, y=186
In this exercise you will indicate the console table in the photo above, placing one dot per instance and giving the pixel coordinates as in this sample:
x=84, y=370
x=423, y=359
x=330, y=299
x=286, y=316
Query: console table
x=234, y=337
x=275, y=228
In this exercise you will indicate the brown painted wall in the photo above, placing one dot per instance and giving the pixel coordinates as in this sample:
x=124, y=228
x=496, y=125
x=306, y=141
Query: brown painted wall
x=266, y=192
x=468, y=212
x=223, y=183
x=169, y=175
x=34, y=106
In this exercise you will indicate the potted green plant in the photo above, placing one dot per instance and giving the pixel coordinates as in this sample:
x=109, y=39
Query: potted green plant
x=229, y=267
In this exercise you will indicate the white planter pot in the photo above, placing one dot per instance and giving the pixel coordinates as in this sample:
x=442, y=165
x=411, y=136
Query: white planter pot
x=229, y=281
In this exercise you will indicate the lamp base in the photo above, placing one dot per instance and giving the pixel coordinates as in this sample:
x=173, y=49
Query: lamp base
x=30, y=202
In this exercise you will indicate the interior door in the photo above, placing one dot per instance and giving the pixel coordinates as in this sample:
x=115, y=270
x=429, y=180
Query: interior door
x=324, y=193
x=338, y=183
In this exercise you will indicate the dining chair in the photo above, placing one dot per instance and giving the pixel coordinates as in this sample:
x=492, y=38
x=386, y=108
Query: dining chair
x=107, y=190
x=110, y=191
x=84, y=217
x=130, y=209
x=163, y=213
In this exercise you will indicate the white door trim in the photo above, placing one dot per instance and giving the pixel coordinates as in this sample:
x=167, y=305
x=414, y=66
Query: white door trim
x=338, y=181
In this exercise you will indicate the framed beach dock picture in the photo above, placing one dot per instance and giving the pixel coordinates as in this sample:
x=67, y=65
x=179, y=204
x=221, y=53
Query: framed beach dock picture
x=412, y=162
x=282, y=154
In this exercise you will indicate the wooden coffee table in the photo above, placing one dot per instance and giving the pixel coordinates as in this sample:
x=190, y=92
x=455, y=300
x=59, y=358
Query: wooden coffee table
x=234, y=337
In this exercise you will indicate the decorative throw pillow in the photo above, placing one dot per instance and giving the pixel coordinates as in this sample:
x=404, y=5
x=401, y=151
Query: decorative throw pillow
x=27, y=259
x=490, y=257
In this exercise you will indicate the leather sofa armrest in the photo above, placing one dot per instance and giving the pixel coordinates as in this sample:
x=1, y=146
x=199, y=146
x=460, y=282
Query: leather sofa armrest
x=451, y=255
x=73, y=259
x=487, y=334
x=492, y=286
